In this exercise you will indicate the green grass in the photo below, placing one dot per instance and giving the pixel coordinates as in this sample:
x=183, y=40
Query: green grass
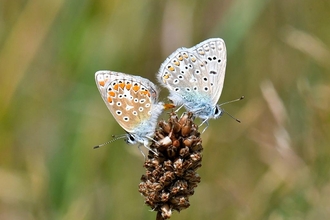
x=274, y=165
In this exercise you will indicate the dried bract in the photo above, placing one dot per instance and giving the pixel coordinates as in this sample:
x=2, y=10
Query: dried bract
x=171, y=175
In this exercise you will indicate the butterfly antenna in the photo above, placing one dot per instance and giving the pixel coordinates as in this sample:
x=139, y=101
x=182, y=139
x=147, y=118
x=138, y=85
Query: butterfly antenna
x=108, y=142
x=235, y=100
x=236, y=119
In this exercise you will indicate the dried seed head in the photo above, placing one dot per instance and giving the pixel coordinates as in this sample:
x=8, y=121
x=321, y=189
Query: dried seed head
x=171, y=175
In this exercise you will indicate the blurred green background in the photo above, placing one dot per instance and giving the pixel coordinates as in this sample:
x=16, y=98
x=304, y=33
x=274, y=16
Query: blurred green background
x=274, y=165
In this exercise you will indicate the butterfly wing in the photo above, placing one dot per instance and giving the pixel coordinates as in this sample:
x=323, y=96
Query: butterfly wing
x=129, y=98
x=195, y=72
x=214, y=54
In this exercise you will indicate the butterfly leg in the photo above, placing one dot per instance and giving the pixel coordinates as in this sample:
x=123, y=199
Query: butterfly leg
x=141, y=151
x=178, y=109
x=146, y=146
x=150, y=138
x=207, y=125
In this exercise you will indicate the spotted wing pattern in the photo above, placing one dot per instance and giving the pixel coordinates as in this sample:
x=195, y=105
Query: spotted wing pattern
x=129, y=98
x=197, y=72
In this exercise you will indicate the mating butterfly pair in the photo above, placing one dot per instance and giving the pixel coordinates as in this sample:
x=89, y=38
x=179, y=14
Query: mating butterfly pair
x=194, y=76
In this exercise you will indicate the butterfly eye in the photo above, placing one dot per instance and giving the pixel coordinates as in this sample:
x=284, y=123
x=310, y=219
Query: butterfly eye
x=130, y=139
x=217, y=111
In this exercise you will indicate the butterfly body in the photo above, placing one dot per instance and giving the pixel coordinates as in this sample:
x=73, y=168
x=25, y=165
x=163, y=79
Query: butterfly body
x=133, y=102
x=195, y=77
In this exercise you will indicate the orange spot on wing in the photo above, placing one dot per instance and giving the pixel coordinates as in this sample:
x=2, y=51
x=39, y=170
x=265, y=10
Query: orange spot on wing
x=180, y=58
x=115, y=87
x=136, y=88
x=171, y=68
x=122, y=85
x=101, y=83
x=128, y=86
x=112, y=93
x=109, y=99
x=176, y=63
x=146, y=92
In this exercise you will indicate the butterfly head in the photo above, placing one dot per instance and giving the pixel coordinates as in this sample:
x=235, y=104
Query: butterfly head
x=130, y=139
x=217, y=112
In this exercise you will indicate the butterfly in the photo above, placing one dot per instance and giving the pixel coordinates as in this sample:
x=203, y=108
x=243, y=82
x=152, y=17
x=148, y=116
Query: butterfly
x=195, y=77
x=133, y=102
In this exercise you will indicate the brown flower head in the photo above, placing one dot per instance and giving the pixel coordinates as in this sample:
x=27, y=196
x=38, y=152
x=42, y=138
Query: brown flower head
x=171, y=175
